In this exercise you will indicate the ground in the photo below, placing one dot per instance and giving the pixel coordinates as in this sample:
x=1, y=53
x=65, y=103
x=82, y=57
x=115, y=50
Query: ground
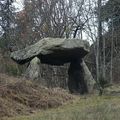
x=20, y=100
x=83, y=108
x=19, y=96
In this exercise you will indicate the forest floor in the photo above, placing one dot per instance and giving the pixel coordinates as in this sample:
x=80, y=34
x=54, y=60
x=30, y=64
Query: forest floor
x=27, y=101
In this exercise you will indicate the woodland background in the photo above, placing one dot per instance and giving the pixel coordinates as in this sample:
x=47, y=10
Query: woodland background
x=96, y=21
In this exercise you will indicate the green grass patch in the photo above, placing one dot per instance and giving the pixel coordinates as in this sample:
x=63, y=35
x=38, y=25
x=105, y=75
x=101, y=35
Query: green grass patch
x=84, y=108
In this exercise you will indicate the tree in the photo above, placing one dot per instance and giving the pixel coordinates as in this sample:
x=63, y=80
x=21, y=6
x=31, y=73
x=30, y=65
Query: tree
x=107, y=44
x=6, y=21
x=111, y=11
x=58, y=18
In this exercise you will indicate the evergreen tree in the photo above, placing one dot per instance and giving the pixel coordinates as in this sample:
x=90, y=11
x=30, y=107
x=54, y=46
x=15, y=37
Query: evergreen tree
x=6, y=22
x=111, y=12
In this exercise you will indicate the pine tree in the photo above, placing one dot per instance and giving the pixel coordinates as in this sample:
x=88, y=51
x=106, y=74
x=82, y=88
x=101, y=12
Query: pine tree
x=6, y=20
x=111, y=12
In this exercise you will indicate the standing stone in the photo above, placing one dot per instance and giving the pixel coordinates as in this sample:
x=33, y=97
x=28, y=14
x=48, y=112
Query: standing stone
x=76, y=81
x=80, y=78
x=33, y=71
x=89, y=80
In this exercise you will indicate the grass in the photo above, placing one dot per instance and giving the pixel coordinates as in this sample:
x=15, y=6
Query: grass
x=21, y=97
x=83, y=108
x=25, y=100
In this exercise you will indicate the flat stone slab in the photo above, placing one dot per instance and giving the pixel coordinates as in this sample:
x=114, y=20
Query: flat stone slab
x=54, y=51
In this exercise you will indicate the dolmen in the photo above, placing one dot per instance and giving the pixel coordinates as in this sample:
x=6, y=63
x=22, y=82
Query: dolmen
x=58, y=51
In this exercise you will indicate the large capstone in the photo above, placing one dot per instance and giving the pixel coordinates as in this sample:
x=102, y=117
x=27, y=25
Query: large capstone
x=54, y=51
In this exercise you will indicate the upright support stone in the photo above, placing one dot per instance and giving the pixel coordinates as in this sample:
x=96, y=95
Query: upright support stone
x=76, y=82
x=33, y=71
x=89, y=80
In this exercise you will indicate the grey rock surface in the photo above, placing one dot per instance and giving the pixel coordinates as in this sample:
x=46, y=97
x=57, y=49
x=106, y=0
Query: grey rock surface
x=33, y=71
x=76, y=81
x=89, y=80
x=80, y=79
x=54, y=51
